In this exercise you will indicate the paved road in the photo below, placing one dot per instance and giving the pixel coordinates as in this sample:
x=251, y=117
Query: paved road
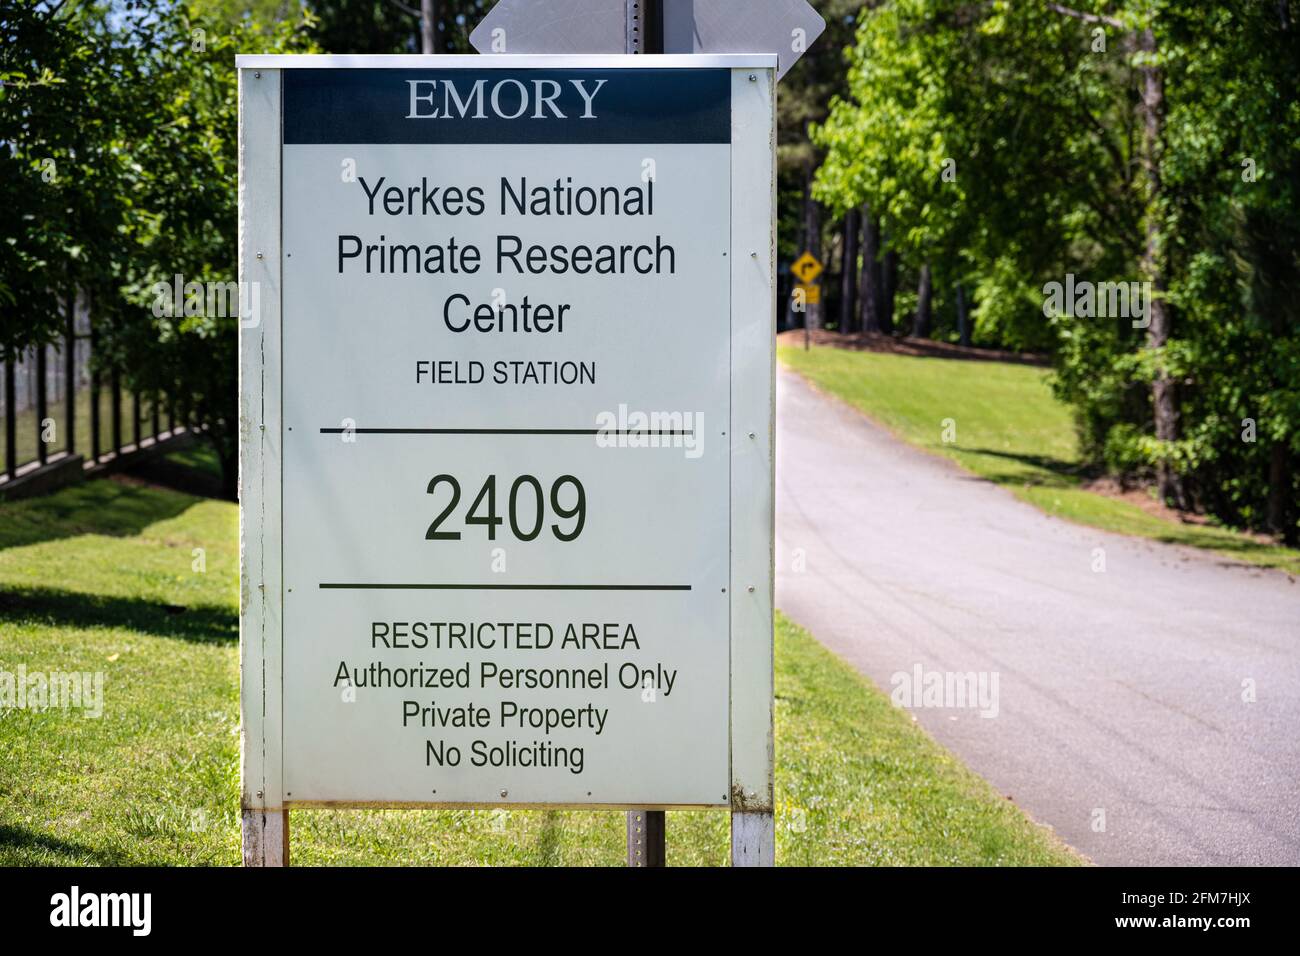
x=1117, y=691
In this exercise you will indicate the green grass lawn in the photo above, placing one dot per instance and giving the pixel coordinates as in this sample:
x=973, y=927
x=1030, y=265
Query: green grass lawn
x=102, y=577
x=1011, y=430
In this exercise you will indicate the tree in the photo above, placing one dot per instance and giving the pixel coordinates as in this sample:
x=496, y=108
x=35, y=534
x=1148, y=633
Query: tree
x=184, y=179
x=63, y=107
x=120, y=173
x=396, y=26
x=806, y=92
x=1138, y=141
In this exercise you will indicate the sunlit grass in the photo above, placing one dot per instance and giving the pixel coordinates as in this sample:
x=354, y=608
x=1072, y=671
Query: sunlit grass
x=141, y=584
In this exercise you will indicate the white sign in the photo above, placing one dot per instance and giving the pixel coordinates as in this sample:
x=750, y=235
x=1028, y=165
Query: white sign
x=507, y=508
x=786, y=28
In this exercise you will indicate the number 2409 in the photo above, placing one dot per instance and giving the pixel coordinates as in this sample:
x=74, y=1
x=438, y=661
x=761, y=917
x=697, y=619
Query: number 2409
x=526, y=488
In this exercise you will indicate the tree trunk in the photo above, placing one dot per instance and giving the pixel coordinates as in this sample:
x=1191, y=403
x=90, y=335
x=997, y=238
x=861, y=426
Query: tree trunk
x=1279, y=487
x=963, y=316
x=1164, y=392
x=921, y=320
x=888, y=286
x=428, y=27
x=870, y=283
x=793, y=318
x=849, y=272
x=229, y=462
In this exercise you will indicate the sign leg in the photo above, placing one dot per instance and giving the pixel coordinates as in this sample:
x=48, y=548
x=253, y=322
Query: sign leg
x=753, y=838
x=265, y=837
x=645, y=838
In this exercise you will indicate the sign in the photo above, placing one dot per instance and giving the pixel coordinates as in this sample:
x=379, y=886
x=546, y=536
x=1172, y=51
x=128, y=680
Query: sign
x=552, y=26
x=785, y=28
x=807, y=268
x=812, y=293
x=507, y=464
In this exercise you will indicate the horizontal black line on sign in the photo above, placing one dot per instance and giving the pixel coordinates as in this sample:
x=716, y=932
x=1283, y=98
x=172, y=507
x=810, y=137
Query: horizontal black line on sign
x=329, y=586
x=505, y=431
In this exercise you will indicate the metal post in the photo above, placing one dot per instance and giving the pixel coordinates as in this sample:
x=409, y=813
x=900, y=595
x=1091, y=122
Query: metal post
x=115, y=386
x=70, y=378
x=646, y=829
x=11, y=431
x=157, y=416
x=645, y=26
x=94, y=391
x=42, y=452
x=135, y=418
x=646, y=843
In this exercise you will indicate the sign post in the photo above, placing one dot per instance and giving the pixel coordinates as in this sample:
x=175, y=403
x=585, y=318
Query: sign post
x=807, y=290
x=647, y=828
x=507, y=436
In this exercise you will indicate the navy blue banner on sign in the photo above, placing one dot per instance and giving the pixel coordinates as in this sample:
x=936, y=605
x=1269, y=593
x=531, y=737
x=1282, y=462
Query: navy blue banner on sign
x=413, y=107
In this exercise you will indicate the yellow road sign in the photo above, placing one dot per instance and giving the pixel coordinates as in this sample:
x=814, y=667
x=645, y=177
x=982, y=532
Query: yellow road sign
x=807, y=268
x=812, y=293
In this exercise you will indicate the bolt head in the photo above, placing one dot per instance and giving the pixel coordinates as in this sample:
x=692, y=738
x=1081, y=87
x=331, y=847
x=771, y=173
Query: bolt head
x=504, y=794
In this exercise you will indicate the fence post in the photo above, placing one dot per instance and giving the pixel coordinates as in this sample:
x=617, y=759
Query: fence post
x=115, y=386
x=11, y=431
x=94, y=389
x=42, y=452
x=70, y=378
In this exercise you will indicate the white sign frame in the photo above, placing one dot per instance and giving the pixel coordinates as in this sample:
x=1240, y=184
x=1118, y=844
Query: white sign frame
x=751, y=433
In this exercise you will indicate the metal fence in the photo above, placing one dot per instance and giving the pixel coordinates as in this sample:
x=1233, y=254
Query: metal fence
x=55, y=403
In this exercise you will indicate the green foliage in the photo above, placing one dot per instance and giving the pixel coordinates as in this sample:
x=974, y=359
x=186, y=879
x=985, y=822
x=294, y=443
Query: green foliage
x=184, y=182
x=1038, y=107
x=390, y=26
x=121, y=173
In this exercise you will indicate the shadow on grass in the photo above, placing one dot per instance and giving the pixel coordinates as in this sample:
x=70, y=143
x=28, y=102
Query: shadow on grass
x=201, y=624
x=21, y=840
x=178, y=474
x=1057, y=473
x=100, y=506
x=1262, y=553
x=548, y=842
x=1054, y=472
